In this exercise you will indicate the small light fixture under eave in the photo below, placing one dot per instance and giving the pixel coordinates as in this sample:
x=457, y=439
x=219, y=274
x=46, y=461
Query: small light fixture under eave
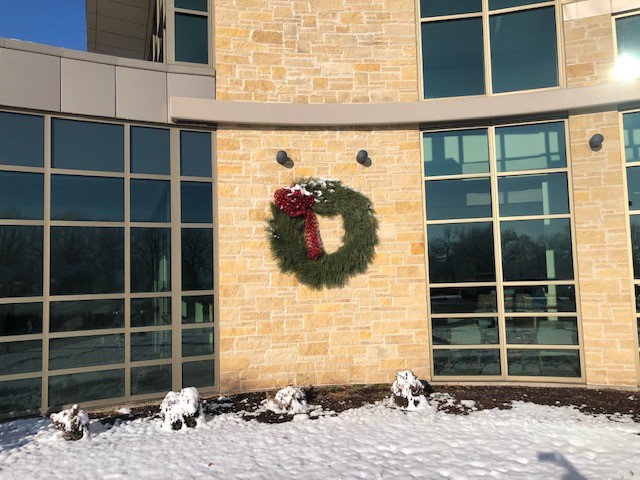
x=627, y=68
x=283, y=159
x=363, y=158
x=595, y=142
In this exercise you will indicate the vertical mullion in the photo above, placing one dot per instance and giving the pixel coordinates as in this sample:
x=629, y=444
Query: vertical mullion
x=486, y=40
x=176, y=259
x=46, y=264
x=216, y=276
x=127, y=260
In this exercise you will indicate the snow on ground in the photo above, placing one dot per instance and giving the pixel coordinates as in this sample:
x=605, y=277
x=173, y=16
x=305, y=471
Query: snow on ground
x=528, y=442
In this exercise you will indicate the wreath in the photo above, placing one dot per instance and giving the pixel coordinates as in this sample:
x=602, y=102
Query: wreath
x=295, y=238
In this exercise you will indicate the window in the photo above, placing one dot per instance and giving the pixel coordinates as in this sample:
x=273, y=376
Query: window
x=191, y=31
x=627, y=28
x=468, y=49
x=500, y=257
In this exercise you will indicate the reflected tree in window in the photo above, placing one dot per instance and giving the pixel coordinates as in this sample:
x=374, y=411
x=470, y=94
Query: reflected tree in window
x=150, y=259
x=197, y=259
x=20, y=261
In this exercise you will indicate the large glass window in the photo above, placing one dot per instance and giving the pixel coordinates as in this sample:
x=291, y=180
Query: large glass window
x=87, y=198
x=628, y=47
x=21, y=260
x=150, y=150
x=21, y=139
x=191, y=29
x=21, y=195
x=500, y=255
x=150, y=259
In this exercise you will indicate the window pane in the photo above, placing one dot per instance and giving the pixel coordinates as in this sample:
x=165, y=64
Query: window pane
x=497, y=4
x=542, y=330
x=530, y=147
x=150, y=345
x=20, y=319
x=198, y=374
x=433, y=8
x=21, y=195
x=540, y=298
x=524, y=50
x=627, y=36
x=149, y=312
x=155, y=379
x=86, y=315
x=192, y=38
x=20, y=261
x=76, y=352
x=195, y=154
x=87, y=198
x=197, y=259
x=197, y=341
x=20, y=395
x=150, y=201
x=87, y=260
x=533, y=194
x=453, y=58
x=21, y=357
x=634, y=220
x=464, y=331
x=21, y=140
x=631, y=129
x=547, y=363
x=200, y=5
x=150, y=150
x=466, y=362
x=461, y=252
x=197, y=309
x=537, y=250
x=450, y=153
x=87, y=145
x=463, y=300
x=85, y=387
x=150, y=259
x=196, y=202
x=465, y=198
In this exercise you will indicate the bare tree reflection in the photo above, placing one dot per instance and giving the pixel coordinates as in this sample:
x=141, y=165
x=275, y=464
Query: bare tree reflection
x=197, y=259
x=150, y=259
x=20, y=261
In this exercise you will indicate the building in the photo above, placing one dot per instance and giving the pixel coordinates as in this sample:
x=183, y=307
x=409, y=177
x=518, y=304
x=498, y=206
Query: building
x=136, y=178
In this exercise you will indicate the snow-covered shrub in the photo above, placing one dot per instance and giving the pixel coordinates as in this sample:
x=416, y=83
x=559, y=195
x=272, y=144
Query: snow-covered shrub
x=291, y=400
x=181, y=408
x=408, y=391
x=73, y=423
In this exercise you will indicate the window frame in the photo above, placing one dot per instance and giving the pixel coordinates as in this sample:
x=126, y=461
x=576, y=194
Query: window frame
x=170, y=38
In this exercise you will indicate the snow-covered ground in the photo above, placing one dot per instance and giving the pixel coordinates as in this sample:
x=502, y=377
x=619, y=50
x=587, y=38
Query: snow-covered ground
x=527, y=442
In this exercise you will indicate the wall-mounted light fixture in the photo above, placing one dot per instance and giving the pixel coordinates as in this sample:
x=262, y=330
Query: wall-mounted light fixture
x=283, y=159
x=595, y=142
x=363, y=158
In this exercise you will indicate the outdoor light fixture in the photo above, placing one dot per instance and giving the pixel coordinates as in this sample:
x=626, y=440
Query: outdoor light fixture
x=363, y=158
x=596, y=142
x=283, y=159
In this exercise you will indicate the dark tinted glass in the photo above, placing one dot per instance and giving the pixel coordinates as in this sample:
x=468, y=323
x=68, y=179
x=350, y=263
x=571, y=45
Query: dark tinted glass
x=631, y=129
x=85, y=351
x=197, y=341
x=542, y=330
x=463, y=300
x=633, y=187
x=200, y=5
x=21, y=139
x=155, y=379
x=540, y=298
x=497, y=4
x=197, y=309
x=150, y=345
x=87, y=146
x=530, y=147
x=533, y=194
x=524, y=50
x=20, y=319
x=453, y=58
x=434, y=8
x=547, y=363
x=21, y=195
x=195, y=154
x=87, y=198
x=537, y=250
x=192, y=38
x=634, y=220
x=149, y=312
x=456, y=152
x=195, y=202
x=20, y=395
x=627, y=36
x=85, y=387
x=197, y=259
x=86, y=315
x=464, y=331
x=466, y=362
x=150, y=150
x=150, y=259
x=20, y=357
x=20, y=261
x=87, y=260
x=198, y=374
x=465, y=198
x=461, y=253
x=150, y=201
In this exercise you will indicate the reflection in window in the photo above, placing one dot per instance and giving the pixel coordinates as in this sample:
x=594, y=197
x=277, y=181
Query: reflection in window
x=21, y=139
x=456, y=152
x=20, y=319
x=195, y=154
x=540, y=298
x=149, y=312
x=154, y=379
x=85, y=387
x=20, y=261
x=465, y=362
x=198, y=374
x=533, y=194
x=150, y=201
x=76, y=352
x=150, y=259
x=87, y=198
x=498, y=4
x=631, y=130
x=197, y=259
x=20, y=395
x=197, y=309
x=465, y=198
x=530, y=147
x=197, y=341
x=21, y=357
x=463, y=300
x=434, y=8
x=542, y=330
x=150, y=150
x=21, y=195
x=150, y=345
x=628, y=48
x=464, y=331
x=547, y=362
x=192, y=38
x=86, y=315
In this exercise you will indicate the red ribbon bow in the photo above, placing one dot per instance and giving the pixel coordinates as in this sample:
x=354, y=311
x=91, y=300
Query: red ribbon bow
x=296, y=201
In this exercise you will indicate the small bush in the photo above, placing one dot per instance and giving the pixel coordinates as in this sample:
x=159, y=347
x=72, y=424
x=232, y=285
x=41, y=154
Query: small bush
x=408, y=391
x=73, y=423
x=291, y=400
x=180, y=409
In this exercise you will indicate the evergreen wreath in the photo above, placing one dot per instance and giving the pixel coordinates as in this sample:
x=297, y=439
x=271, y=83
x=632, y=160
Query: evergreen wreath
x=295, y=239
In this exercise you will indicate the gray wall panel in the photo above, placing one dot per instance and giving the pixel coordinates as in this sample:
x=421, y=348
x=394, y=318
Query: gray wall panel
x=88, y=88
x=141, y=95
x=192, y=86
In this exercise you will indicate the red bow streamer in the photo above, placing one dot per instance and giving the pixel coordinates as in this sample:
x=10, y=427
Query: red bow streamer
x=295, y=201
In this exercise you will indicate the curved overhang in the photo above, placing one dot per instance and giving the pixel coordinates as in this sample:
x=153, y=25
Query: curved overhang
x=439, y=111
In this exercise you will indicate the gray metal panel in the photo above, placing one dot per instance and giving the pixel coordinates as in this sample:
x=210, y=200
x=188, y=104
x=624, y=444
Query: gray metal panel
x=29, y=80
x=88, y=88
x=141, y=94
x=192, y=86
